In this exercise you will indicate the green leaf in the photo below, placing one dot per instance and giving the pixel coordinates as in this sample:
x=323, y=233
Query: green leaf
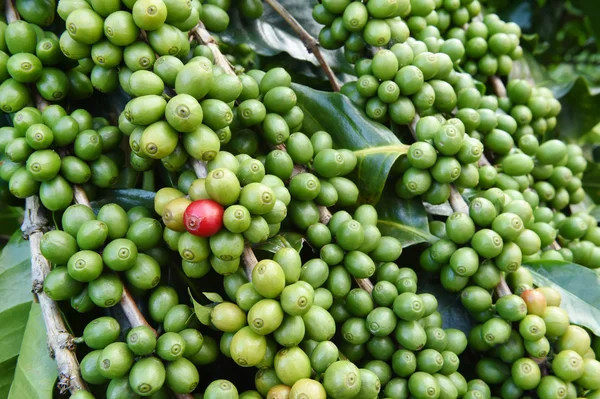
x=202, y=312
x=376, y=147
x=593, y=12
x=405, y=220
x=270, y=34
x=36, y=372
x=213, y=297
x=15, y=303
x=580, y=106
x=7, y=374
x=282, y=240
x=529, y=68
x=591, y=182
x=127, y=198
x=304, y=73
x=595, y=212
x=11, y=218
x=577, y=286
x=454, y=314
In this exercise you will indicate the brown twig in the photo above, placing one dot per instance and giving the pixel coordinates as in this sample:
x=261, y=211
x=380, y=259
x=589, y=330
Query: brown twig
x=502, y=288
x=311, y=44
x=60, y=341
x=203, y=36
x=200, y=169
x=80, y=196
x=250, y=261
x=132, y=312
x=457, y=202
x=324, y=214
x=11, y=12
x=365, y=284
x=498, y=86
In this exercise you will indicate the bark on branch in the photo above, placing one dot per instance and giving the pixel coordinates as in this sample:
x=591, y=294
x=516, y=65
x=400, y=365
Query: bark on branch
x=311, y=44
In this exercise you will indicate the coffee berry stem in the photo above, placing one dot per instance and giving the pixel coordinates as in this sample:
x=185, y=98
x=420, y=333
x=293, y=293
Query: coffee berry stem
x=60, y=342
x=498, y=86
x=250, y=261
x=311, y=44
x=200, y=169
x=132, y=312
x=80, y=196
x=203, y=36
x=365, y=284
x=502, y=288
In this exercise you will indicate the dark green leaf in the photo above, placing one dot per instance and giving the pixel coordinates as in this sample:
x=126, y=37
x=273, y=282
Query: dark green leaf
x=15, y=303
x=202, y=312
x=213, y=296
x=453, y=312
x=580, y=107
x=36, y=372
x=405, y=220
x=591, y=182
x=519, y=13
x=270, y=34
x=592, y=11
x=577, y=286
x=304, y=73
x=11, y=218
x=376, y=147
x=7, y=374
x=127, y=198
x=282, y=240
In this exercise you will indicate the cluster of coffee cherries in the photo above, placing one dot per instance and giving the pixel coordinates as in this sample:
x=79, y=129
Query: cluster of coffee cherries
x=526, y=343
x=283, y=316
x=30, y=55
x=354, y=25
x=90, y=250
x=145, y=363
x=494, y=231
x=404, y=81
x=44, y=152
x=103, y=36
x=443, y=155
x=490, y=46
x=445, y=17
